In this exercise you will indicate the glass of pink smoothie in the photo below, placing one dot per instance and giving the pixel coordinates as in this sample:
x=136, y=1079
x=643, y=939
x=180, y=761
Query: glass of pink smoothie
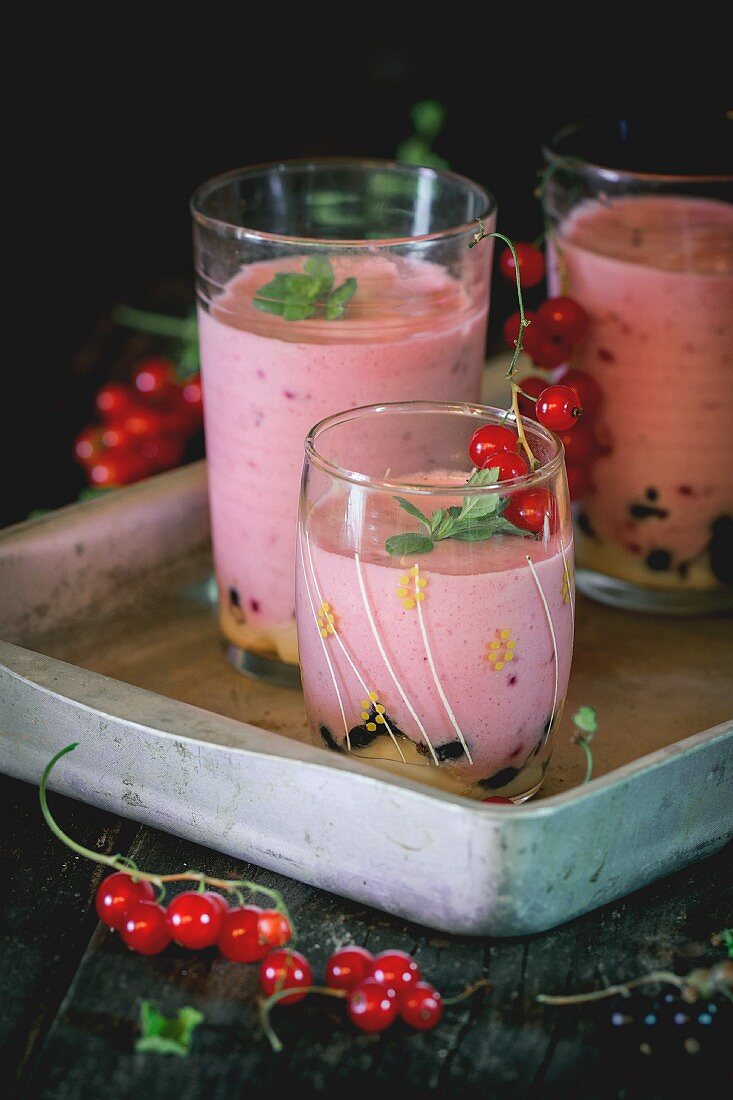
x=440, y=652
x=321, y=286
x=641, y=234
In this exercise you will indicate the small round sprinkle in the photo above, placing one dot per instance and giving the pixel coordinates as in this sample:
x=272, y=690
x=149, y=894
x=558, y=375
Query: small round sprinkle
x=365, y=714
x=324, y=633
x=499, y=665
x=510, y=645
x=408, y=604
x=496, y=645
x=402, y=592
x=404, y=580
x=493, y=656
x=379, y=719
x=421, y=582
x=330, y=629
x=504, y=634
x=380, y=709
x=364, y=703
x=325, y=606
x=508, y=656
x=371, y=727
x=420, y=596
x=373, y=696
x=414, y=571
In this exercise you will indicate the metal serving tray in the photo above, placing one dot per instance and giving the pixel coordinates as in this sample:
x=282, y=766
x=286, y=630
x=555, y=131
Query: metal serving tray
x=111, y=640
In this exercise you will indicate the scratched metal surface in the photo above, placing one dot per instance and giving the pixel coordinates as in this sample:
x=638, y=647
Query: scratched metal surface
x=111, y=641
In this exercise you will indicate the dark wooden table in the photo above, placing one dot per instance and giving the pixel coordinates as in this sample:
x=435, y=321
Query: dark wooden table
x=70, y=990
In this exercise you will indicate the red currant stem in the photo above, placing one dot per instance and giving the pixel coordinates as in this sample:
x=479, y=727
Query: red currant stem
x=588, y=759
x=523, y=322
x=122, y=863
x=658, y=977
x=279, y=995
x=482, y=983
x=527, y=395
x=157, y=324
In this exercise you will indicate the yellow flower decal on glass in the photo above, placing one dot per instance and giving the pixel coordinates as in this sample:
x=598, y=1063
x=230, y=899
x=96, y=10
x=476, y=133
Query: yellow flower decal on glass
x=326, y=620
x=567, y=582
x=371, y=721
x=411, y=589
x=501, y=650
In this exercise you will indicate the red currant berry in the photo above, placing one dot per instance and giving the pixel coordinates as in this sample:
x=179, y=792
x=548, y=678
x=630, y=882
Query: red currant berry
x=396, y=969
x=588, y=390
x=489, y=439
x=531, y=264
x=347, y=967
x=285, y=970
x=115, y=895
x=529, y=509
x=564, y=317
x=111, y=470
x=88, y=445
x=162, y=453
x=193, y=396
x=114, y=401
x=144, y=423
x=579, y=482
x=534, y=386
x=273, y=929
x=559, y=408
x=509, y=465
x=545, y=350
x=421, y=1006
x=579, y=443
x=239, y=938
x=153, y=376
x=115, y=438
x=511, y=327
x=499, y=801
x=218, y=899
x=194, y=919
x=144, y=928
x=372, y=1006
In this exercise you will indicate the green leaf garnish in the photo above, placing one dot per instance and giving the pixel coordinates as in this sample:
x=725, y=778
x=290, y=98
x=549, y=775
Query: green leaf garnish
x=295, y=296
x=161, y=1035
x=586, y=720
x=479, y=518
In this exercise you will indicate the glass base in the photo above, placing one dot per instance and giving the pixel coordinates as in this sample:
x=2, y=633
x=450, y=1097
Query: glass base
x=258, y=667
x=656, y=601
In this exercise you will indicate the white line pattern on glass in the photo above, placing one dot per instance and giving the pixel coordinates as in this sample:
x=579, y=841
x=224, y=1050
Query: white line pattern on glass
x=569, y=581
x=431, y=662
x=347, y=655
x=554, y=642
x=323, y=642
x=385, y=658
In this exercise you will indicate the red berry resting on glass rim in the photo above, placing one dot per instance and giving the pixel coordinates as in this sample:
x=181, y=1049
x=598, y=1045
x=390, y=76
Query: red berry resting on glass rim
x=115, y=895
x=530, y=508
x=347, y=967
x=564, y=317
x=145, y=929
x=372, y=1006
x=489, y=439
x=285, y=970
x=531, y=264
x=239, y=936
x=559, y=408
x=508, y=464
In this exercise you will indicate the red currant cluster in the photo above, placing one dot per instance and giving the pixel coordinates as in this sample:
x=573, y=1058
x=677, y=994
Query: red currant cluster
x=556, y=327
x=496, y=446
x=144, y=426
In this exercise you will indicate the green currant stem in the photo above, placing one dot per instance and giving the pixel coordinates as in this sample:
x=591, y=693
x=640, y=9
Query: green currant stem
x=122, y=863
x=658, y=977
x=482, y=983
x=588, y=758
x=523, y=322
x=279, y=995
x=157, y=324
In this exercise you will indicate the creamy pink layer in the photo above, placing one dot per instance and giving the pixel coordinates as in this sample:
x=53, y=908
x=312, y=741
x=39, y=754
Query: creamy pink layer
x=411, y=332
x=656, y=277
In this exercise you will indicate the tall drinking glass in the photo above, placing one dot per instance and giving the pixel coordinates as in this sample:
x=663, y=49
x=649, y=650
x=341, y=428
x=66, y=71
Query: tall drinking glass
x=442, y=656
x=642, y=236
x=321, y=286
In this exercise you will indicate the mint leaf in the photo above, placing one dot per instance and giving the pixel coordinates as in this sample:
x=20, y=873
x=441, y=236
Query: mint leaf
x=585, y=719
x=485, y=504
x=336, y=301
x=161, y=1035
x=298, y=311
x=319, y=268
x=442, y=524
x=482, y=477
x=294, y=295
x=411, y=543
x=409, y=507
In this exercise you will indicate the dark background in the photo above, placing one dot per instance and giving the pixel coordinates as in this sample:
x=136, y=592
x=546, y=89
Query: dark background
x=115, y=130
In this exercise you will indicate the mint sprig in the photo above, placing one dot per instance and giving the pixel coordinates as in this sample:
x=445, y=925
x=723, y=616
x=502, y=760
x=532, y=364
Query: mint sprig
x=479, y=518
x=161, y=1035
x=296, y=296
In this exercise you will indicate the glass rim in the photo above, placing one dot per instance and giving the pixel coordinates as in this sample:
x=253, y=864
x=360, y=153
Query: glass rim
x=607, y=171
x=482, y=412
x=239, y=232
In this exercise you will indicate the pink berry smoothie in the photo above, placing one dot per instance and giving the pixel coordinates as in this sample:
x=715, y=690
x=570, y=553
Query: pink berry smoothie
x=655, y=275
x=447, y=658
x=411, y=331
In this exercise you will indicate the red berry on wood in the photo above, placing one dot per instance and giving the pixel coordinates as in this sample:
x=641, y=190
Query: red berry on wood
x=529, y=508
x=273, y=928
x=153, y=376
x=347, y=967
x=508, y=464
x=531, y=264
x=588, y=390
x=239, y=937
x=580, y=483
x=116, y=893
x=145, y=929
x=285, y=970
x=490, y=439
x=194, y=920
x=558, y=408
x=114, y=401
x=396, y=969
x=372, y=1006
x=564, y=317
x=421, y=1006
x=88, y=445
